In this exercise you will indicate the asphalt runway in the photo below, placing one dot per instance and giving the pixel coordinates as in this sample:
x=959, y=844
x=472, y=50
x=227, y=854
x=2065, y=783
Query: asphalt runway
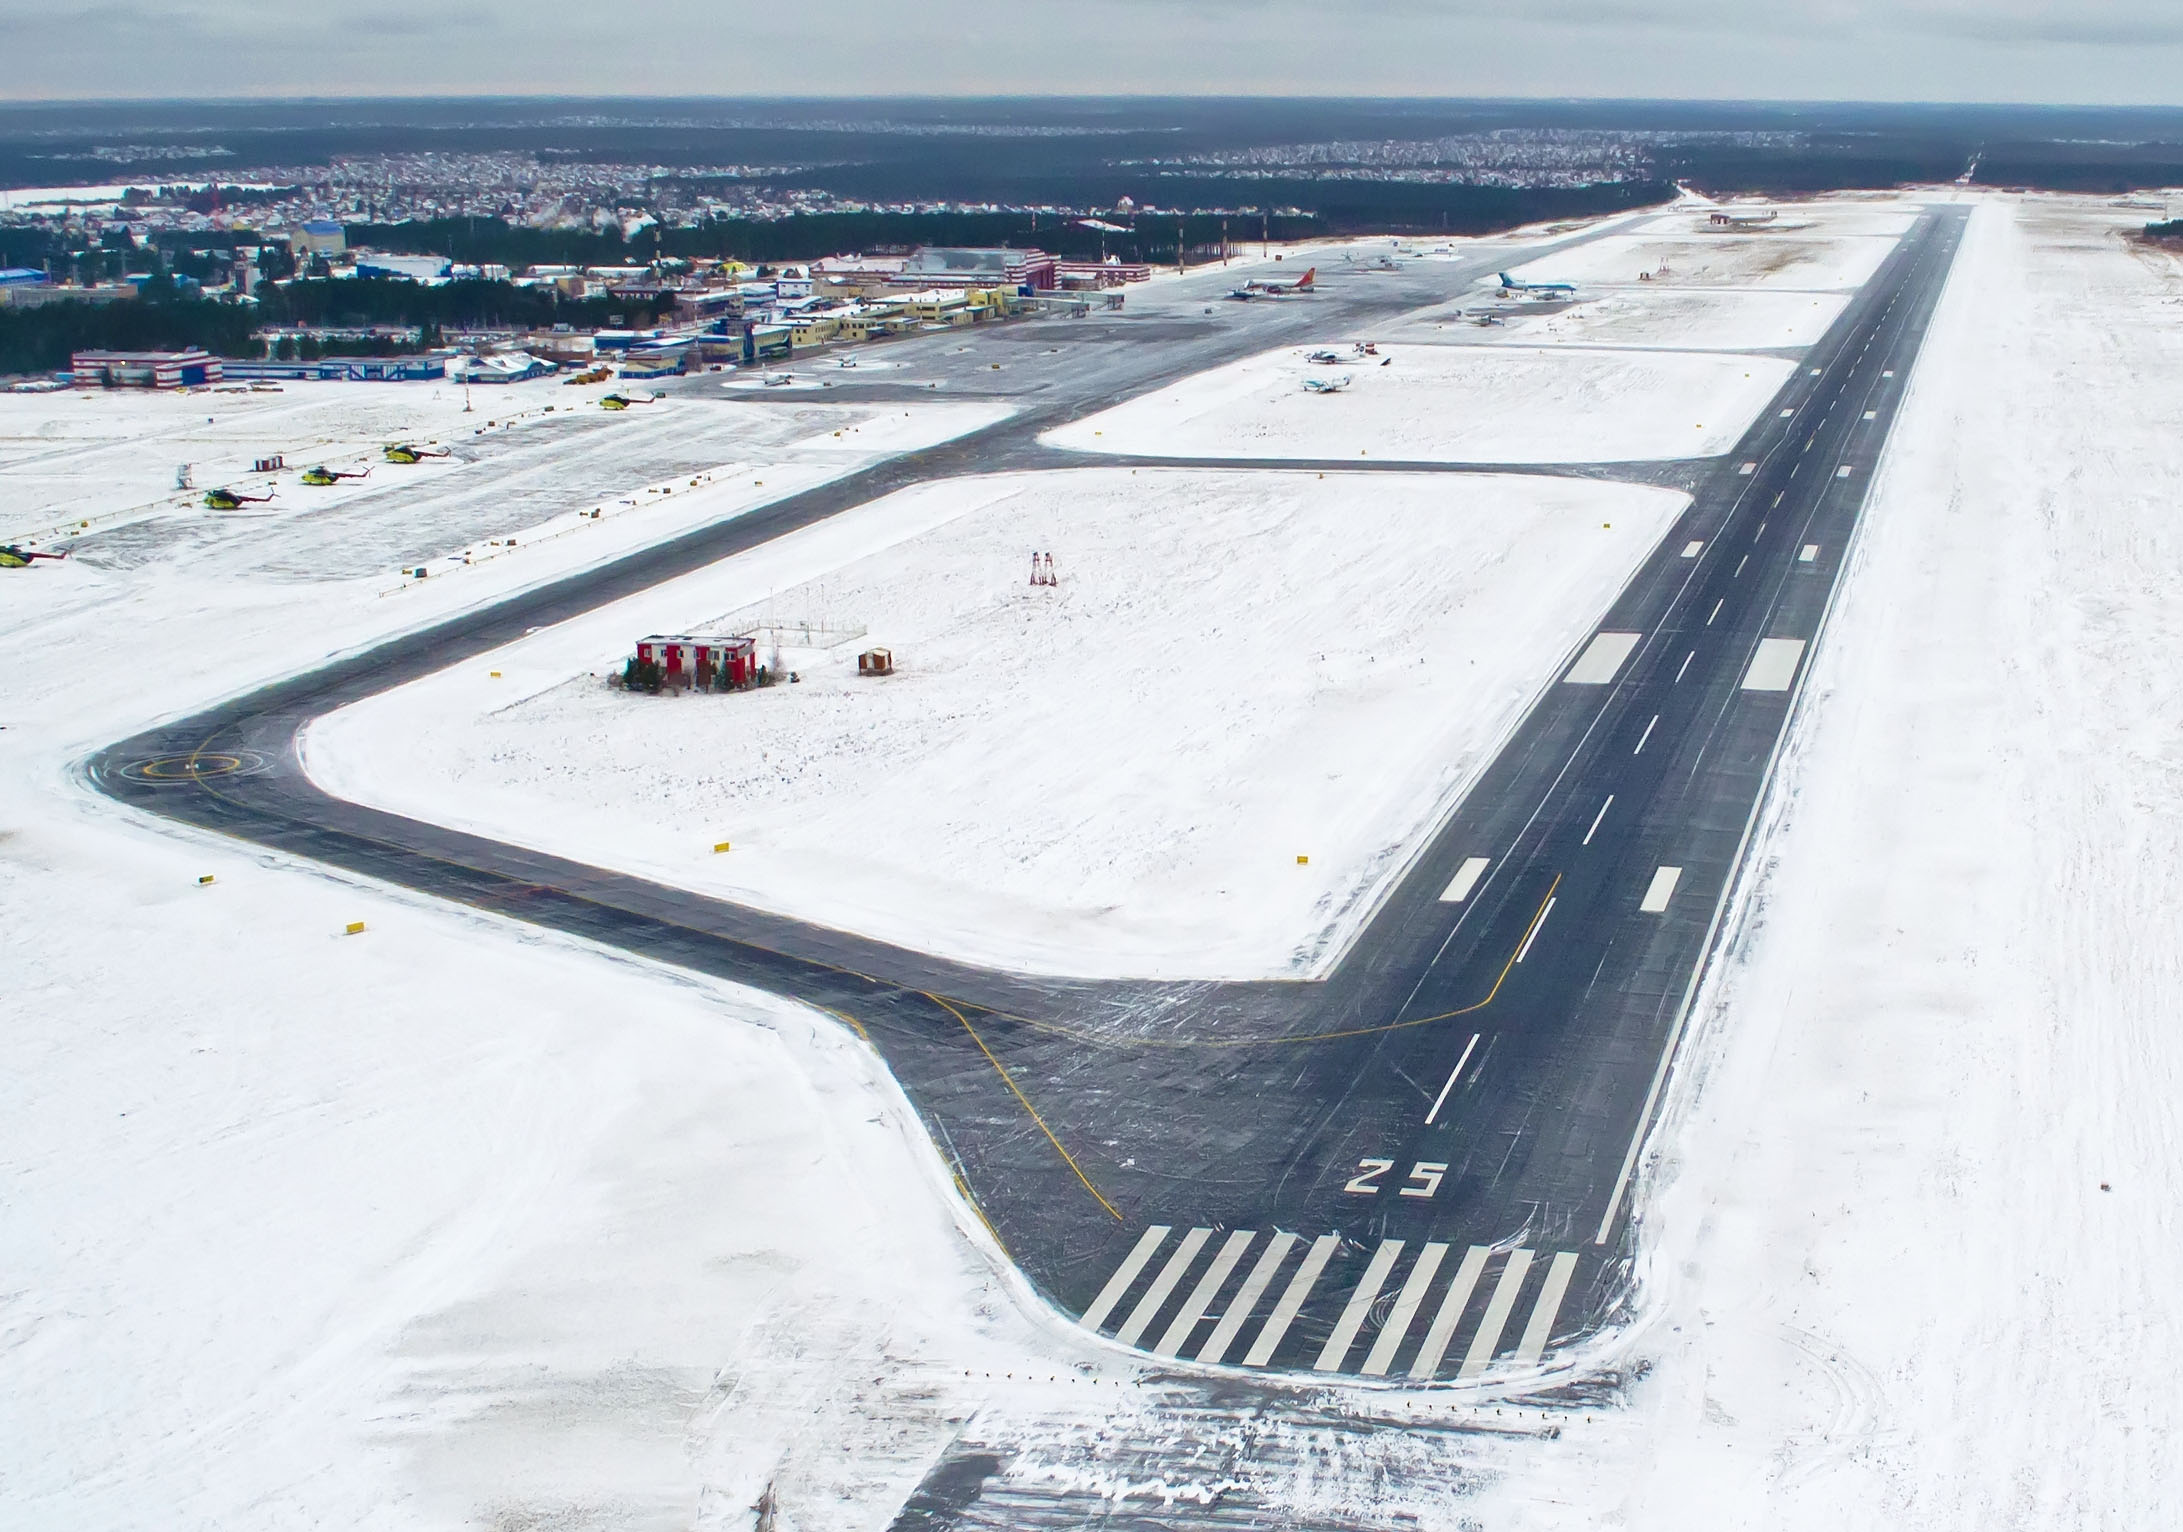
x=1418, y=1167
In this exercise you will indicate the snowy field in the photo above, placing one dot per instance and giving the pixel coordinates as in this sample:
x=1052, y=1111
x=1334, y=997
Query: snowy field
x=1784, y=259
x=1113, y=777
x=528, y=455
x=1446, y=404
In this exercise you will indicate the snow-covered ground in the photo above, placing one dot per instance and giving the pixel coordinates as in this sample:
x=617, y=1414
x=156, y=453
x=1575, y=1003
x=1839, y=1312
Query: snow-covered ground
x=527, y=455
x=1445, y=404
x=1112, y=777
x=446, y=1224
x=1771, y=257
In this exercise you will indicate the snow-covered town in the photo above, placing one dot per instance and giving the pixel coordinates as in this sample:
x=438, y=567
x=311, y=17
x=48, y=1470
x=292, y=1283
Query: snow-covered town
x=1506, y=881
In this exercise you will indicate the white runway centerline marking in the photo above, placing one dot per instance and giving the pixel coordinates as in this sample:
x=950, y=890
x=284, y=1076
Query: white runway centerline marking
x=1292, y=1301
x=1660, y=890
x=1465, y=879
x=1640, y=750
x=1596, y=818
x=1602, y=658
x=1739, y=567
x=1336, y=1350
x=1541, y=1328
x=1246, y=1299
x=1811, y=551
x=1685, y=665
x=1505, y=1292
x=1451, y=1313
x=1716, y=611
x=1382, y=1355
x=1773, y=667
x=1148, y=1307
x=1124, y=1274
x=1536, y=926
x=1454, y=1074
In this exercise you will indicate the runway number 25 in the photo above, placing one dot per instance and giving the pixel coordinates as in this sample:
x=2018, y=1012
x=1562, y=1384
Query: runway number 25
x=1424, y=1178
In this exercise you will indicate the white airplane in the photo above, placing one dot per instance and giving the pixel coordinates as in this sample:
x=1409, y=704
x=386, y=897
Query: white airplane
x=1509, y=285
x=1327, y=385
x=1295, y=289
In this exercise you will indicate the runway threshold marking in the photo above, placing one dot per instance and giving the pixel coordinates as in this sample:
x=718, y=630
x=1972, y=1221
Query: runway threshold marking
x=1149, y=1306
x=1660, y=890
x=1246, y=1299
x=1124, y=1274
x=1429, y=1356
x=1201, y=1297
x=1505, y=1293
x=1292, y=1301
x=1441, y=1100
x=1541, y=1328
x=1382, y=1355
x=1336, y=1350
x=1466, y=878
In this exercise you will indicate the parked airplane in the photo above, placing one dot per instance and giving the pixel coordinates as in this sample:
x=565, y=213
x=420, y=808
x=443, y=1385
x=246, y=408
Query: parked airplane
x=1509, y=286
x=1327, y=385
x=1297, y=288
x=1325, y=358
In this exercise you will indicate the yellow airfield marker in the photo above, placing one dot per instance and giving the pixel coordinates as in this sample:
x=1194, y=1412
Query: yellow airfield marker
x=1300, y=861
x=207, y=878
x=355, y=928
x=721, y=846
x=494, y=674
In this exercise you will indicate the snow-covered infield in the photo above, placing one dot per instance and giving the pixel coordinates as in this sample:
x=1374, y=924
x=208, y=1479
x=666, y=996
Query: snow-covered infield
x=1763, y=258
x=1445, y=404
x=1115, y=776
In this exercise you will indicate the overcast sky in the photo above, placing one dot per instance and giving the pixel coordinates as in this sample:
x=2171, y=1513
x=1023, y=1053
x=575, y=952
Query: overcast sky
x=2090, y=51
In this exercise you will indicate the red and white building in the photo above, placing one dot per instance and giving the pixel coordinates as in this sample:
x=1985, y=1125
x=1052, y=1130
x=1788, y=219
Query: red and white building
x=730, y=660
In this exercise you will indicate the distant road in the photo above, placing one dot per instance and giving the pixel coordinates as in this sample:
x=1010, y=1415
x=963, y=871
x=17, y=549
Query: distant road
x=1417, y=1167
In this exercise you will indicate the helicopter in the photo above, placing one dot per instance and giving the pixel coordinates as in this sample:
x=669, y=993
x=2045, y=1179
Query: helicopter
x=403, y=452
x=15, y=557
x=322, y=476
x=232, y=500
x=623, y=401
